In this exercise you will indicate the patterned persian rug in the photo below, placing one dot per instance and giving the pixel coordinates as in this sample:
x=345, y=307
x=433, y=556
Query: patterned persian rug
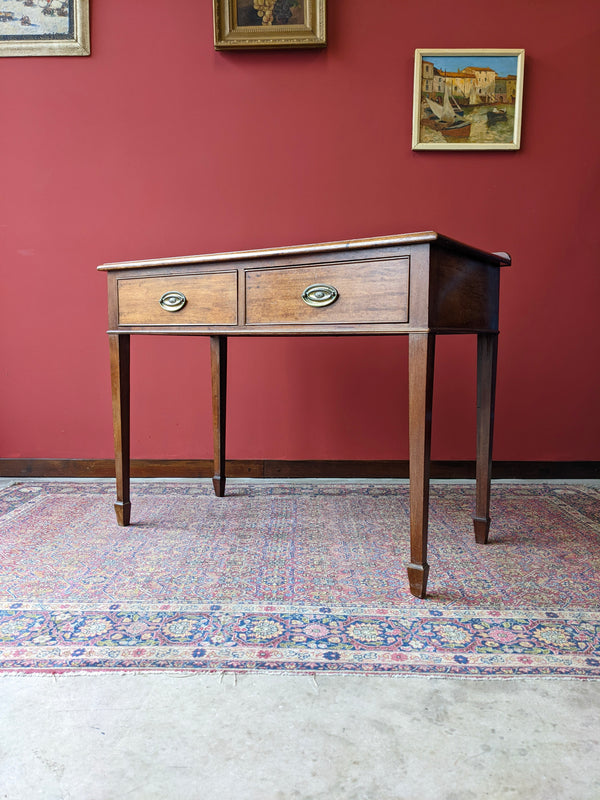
x=298, y=577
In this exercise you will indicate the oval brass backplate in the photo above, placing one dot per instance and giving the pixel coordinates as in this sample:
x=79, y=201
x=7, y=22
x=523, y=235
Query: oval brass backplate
x=172, y=301
x=320, y=294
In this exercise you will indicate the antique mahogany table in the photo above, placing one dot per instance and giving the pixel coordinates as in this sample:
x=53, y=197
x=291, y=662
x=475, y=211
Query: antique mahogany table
x=417, y=284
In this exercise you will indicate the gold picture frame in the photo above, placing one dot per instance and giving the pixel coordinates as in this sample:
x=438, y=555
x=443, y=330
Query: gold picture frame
x=468, y=99
x=265, y=24
x=44, y=28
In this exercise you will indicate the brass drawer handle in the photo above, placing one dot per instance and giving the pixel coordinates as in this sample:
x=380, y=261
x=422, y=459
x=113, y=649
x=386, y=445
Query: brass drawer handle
x=320, y=294
x=172, y=301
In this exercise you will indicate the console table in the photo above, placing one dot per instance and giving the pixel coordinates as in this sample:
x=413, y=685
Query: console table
x=417, y=284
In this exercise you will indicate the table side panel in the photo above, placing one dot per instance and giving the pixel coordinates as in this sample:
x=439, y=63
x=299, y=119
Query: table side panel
x=463, y=293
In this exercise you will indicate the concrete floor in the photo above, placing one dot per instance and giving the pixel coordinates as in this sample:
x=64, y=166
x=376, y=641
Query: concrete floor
x=293, y=737
x=271, y=737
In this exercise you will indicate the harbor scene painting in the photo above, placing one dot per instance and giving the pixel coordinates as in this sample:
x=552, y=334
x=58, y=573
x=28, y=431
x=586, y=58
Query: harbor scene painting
x=44, y=27
x=467, y=99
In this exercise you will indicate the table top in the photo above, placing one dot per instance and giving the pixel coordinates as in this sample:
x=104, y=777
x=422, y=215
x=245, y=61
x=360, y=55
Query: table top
x=397, y=240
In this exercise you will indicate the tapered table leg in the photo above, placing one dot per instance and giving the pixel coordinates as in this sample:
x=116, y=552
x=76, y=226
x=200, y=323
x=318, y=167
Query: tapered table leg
x=119, y=373
x=487, y=357
x=421, y=361
x=218, y=362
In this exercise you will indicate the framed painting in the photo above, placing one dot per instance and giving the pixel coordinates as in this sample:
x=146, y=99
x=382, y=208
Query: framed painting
x=249, y=24
x=44, y=28
x=468, y=99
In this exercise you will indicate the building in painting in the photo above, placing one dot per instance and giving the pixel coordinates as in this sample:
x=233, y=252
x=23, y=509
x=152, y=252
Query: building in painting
x=506, y=89
x=427, y=78
x=459, y=84
x=469, y=86
x=511, y=88
x=439, y=83
x=501, y=91
x=485, y=82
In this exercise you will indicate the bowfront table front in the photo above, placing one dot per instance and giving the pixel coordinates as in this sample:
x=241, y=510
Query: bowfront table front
x=418, y=284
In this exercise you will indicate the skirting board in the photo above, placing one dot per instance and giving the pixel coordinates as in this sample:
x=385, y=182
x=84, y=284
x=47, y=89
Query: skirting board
x=203, y=468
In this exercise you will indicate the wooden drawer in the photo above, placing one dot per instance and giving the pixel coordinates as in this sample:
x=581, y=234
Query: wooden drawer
x=210, y=299
x=367, y=292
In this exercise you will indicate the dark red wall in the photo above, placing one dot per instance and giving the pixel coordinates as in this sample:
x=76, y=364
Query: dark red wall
x=157, y=145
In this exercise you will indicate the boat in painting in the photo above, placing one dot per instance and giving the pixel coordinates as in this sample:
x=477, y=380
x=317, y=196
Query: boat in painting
x=496, y=115
x=446, y=118
x=459, y=129
x=457, y=108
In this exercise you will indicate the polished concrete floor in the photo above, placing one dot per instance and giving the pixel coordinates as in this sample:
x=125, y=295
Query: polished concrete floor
x=271, y=737
x=294, y=737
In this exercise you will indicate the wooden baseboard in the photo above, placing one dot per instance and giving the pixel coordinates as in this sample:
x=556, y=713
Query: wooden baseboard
x=203, y=468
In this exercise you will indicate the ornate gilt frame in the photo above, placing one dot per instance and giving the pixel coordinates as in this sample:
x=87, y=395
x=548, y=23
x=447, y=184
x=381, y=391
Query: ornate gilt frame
x=76, y=43
x=229, y=35
x=421, y=139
